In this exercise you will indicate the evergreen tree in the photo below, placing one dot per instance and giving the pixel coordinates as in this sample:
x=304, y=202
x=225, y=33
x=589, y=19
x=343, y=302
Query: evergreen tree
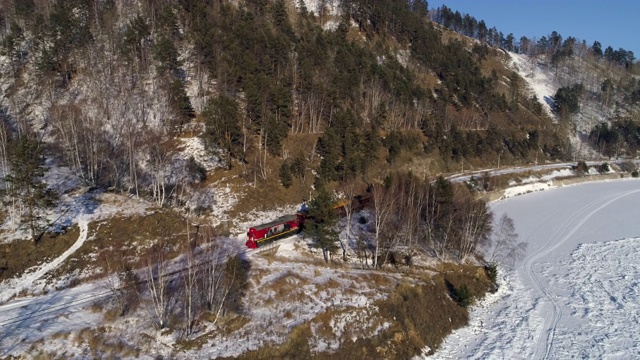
x=221, y=118
x=285, y=175
x=321, y=222
x=328, y=148
x=597, y=49
x=298, y=166
x=568, y=98
x=26, y=185
x=166, y=54
x=180, y=103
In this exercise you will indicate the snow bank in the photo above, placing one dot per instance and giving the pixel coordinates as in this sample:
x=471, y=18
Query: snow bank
x=528, y=188
x=194, y=146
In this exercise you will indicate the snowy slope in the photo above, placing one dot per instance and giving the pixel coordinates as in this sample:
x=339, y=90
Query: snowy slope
x=576, y=295
x=539, y=81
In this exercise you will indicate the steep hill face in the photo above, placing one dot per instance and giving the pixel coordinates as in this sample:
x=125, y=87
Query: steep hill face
x=117, y=91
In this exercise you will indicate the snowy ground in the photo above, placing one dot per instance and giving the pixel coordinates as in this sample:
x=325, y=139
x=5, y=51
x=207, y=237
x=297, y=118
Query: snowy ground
x=564, y=300
x=576, y=294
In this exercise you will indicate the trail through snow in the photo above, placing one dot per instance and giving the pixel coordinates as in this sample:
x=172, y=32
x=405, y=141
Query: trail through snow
x=15, y=286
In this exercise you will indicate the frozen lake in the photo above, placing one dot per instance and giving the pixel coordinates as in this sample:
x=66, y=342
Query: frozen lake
x=576, y=294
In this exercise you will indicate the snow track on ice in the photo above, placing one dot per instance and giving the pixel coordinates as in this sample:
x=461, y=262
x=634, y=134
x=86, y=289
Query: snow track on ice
x=576, y=294
x=544, y=342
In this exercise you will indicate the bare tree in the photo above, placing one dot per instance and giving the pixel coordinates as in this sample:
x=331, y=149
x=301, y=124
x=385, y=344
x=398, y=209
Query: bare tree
x=374, y=96
x=190, y=281
x=4, y=170
x=349, y=190
x=411, y=202
x=441, y=235
x=122, y=282
x=158, y=283
x=214, y=289
x=361, y=251
x=474, y=226
x=160, y=165
x=383, y=203
x=506, y=248
x=314, y=103
x=4, y=141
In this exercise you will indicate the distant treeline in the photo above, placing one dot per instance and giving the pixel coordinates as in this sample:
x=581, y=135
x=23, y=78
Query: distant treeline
x=552, y=45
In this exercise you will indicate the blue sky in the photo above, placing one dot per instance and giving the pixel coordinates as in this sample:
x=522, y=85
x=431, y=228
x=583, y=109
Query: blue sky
x=614, y=23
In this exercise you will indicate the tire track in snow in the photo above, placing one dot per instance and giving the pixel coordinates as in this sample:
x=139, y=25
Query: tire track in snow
x=16, y=286
x=544, y=342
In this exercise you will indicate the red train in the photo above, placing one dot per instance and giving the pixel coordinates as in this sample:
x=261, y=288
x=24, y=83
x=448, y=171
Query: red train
x=289, y=224
x=261, y=234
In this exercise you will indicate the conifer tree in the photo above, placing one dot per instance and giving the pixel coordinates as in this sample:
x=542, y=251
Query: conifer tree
x=26, y=185
x=285, y=175
x=321, y=222
x=222, y=126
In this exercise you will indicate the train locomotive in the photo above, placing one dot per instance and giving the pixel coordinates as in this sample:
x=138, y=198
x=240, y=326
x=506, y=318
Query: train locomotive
x=262, y=234
x=289, y=224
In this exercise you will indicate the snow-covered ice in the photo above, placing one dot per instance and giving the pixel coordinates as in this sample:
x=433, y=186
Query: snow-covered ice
x=576, y=294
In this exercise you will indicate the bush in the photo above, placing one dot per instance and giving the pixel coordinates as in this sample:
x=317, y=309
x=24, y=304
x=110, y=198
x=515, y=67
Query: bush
x=628, y=166
x=604, y=168
x=635, y=173
x=462, y=295
x=582, y=168
x=492, y=272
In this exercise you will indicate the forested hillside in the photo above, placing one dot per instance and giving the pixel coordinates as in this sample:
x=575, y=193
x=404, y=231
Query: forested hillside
x=597, y=89
x=112, y=89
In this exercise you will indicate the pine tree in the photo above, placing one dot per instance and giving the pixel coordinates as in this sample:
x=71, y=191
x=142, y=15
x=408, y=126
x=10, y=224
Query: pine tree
x=285, y=175
x=321, y=222
x=180, y=103
x=26, y=185
x=222, y=126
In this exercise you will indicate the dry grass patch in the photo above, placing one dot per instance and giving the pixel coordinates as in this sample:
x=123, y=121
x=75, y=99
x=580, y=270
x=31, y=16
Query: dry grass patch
x=296, y=346
x=379, y=280
x=330, y=284
x=416, y=315
x=226, y=326
x=101, y=344
x=125, y=239
x=288, y=286
x=17, y=256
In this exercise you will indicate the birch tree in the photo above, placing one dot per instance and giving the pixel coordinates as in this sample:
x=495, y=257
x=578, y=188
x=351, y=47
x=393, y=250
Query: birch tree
x=213, y=289
x=383, y=203
x=474, y=226
x=158, y=284
x=506, y=249
x=190, y=281
x=349, y=190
